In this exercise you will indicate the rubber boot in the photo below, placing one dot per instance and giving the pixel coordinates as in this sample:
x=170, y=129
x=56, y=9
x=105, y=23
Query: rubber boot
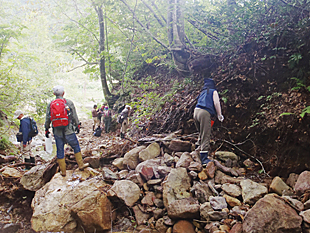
x=204, y=158
x=122, y=135
x=62, y=166
x=79, y=160
x=27, y=167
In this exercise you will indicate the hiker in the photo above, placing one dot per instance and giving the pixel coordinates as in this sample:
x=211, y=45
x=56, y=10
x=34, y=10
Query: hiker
x=123, y=119
x=25, y=139
x=100, y=113
x=95, y=113
x=208, y=105
x=107, y=118
x=62, y=114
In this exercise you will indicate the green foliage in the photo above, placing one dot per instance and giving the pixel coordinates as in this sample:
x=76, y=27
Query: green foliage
x=305, y=111
x=294, y=60
x=286, y=114
x=4, y=142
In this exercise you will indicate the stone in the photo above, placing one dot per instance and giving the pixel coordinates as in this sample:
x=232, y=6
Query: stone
x=305, y=216
x=151, y=152
x=231, y=201
x=11, y=228
x=237, y=228
x=195, y=166
x=225, y=155
x=210, y=170
x=184, y=161
x=33, y=179
x=122, y=174
x=307, y=205
x=168, y=159
x=292, y=179
x=148, y=199
x=193, y=175
x=158, y=213
x=136, y=178
x=238, y=210
x=179, y=145
x=203, y=175
x=302, y=183
x=184, y=208
x=278, y=185
x=164, y=170
x=176, y=186
x=125, y=190
x=141, y=217
x=252, y=191
x=205, y=208
x=232, y=190
x=94, y=161
x=218, y=203
x=11, y=172
x=160, y=226
x=217, y=215
x=278, y=216
x=119, y=163
x=183, y=226
x=108, y=174
x=159, y=203
x=298, y=205
x=222, y=178
x=202, y=191
x=148, y=168
x=131, y=158
x=52, y=204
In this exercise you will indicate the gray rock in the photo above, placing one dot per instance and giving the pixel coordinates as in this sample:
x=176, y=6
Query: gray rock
x=252, y=191
x=218, y=203
x=131, y=158
x=278, y=186
x=232, y=190
x=33, y=179
x=184, y=208
x=151, y=152
x=225, y=155
x=303, y=183
x=184, y=161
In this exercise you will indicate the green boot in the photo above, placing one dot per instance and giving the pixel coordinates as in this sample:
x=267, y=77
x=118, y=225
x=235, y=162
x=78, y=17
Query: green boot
x=62, y=166
x=79, y=160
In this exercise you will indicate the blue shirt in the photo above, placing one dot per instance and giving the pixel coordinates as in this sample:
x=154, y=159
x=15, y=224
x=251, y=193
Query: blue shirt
x=24, y=127
x=205, y=101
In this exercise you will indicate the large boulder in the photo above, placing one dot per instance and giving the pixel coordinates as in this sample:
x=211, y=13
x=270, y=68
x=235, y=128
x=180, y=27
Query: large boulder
x=151, y=152
x=271, y=214
x=33, y=179
x=131, y=158
x=57, y=205
x=125, y=190
x=176, y=186
x=302, y=183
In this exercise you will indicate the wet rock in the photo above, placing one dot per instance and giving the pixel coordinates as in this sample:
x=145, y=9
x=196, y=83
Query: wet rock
x=225, y=155
x=176, y=186
x=232, y=189
x=278, y=186
x=131, y=158
x=252, y=191
x=33, y=179
x=218, y=203
x=140, y=216
x=184, y=161
x=125, y=190
x=302, y=183
x=184, y=208
x=183, y=226
x=179, y=145
x=119, y=163
x=277, y=217
x=52, y=204
x=12, y=172
x=151, y=152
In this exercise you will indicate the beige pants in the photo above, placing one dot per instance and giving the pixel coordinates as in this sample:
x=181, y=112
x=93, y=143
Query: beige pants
x=124, y=126
x=26, y=151
x=203, y=123
x=96, y=122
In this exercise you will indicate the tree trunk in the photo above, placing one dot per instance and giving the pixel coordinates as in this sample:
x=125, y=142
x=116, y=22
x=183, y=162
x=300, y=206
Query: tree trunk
x=176, y=35
x=106, y=92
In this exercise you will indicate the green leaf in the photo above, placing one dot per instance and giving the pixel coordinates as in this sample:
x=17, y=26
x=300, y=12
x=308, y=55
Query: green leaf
x=286, y=114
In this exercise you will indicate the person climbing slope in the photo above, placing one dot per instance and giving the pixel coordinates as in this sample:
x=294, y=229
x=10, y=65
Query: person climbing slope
x=208, y=105
x=62, y=114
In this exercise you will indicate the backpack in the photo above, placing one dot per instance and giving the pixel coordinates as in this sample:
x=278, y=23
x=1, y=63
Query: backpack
x=59, y=113
x=97, y=132
x=33, y=128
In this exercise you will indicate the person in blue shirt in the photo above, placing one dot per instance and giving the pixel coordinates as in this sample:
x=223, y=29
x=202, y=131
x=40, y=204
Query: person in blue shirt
x=24, y=128
x=208, y=105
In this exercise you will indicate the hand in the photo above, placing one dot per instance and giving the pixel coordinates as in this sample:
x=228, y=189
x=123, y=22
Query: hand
x=47, y=133
x=220, y=117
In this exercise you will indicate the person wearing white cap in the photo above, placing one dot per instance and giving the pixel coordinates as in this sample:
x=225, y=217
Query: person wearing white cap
x=124, y=120
x=62, y=114
x=25, y=144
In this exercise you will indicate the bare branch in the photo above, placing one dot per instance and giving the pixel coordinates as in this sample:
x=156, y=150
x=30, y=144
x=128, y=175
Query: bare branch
x=197, y=26
x=155, y=15
x=153, y=3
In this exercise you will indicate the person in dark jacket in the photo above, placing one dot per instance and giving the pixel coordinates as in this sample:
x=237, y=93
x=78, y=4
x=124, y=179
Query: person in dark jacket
x=125, y=120
x=208, y=105
x=107, y=117
x=25, y=145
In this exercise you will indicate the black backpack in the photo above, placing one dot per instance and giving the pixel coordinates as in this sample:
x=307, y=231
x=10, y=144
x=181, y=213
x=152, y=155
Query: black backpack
x=97, y=132
x=33, y=128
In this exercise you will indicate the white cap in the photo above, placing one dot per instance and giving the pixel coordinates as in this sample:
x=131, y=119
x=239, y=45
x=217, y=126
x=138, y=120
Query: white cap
x=58, y=90
x=127, y=106
x=17, y=114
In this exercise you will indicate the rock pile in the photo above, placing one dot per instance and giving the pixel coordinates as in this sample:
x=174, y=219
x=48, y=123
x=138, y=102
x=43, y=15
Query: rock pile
x=161, y=186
